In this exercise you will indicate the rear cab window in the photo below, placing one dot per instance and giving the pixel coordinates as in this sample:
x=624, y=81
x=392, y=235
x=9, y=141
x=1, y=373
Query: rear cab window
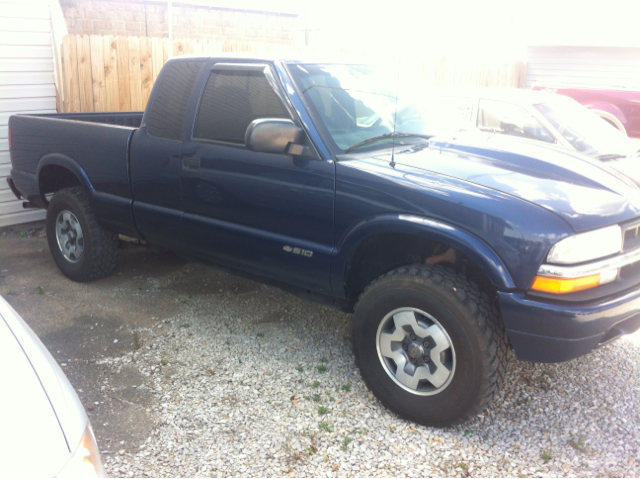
x=171, y=100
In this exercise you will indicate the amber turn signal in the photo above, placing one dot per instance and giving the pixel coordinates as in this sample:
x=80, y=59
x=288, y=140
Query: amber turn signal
x=564, y=285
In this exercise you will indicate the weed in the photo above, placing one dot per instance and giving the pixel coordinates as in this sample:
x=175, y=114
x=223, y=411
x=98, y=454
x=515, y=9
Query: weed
x=315, y=384
x=316, y=398
x=164, y=361
x=467, y=432
x=584, y=464
x=322, y=368
x=186, y=301
x=229, y=328
x=546, y=455
x=137, y=341
x=579, y=445
x=345, y=443
x=268, y=401
x=185, y=325
x=324, y=427
x=39, y=289
x=11, y=293
x=322, y=410
x=23, y=234
x=299, y=369
x=260, y=335
x=463, y=466
x=323, y=359
x=359, y=431
x=346, y=387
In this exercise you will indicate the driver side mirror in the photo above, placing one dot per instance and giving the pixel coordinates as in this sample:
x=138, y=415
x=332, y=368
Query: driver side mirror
x=275, y=135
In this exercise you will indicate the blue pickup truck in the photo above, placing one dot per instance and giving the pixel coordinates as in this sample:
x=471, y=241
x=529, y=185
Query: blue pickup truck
x=448, y=249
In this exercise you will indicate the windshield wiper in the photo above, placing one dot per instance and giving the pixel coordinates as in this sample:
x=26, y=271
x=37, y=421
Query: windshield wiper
x=611, y=156
x=373, y=139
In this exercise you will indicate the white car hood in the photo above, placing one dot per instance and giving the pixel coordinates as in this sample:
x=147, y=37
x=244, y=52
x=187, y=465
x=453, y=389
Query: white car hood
x=41, y=416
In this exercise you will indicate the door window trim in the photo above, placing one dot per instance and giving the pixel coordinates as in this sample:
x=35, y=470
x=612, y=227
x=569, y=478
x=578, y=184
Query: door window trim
x=263, y=68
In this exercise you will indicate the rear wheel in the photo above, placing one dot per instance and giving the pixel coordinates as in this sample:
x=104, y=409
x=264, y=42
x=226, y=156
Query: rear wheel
x=80, y=246
x=429, y=344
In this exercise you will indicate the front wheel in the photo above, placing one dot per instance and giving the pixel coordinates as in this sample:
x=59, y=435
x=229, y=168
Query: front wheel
x=429, y=345
x=80, y=246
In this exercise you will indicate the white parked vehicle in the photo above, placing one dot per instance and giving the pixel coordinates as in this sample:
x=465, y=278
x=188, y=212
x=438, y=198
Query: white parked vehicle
x=538, y=116
x=45, y=431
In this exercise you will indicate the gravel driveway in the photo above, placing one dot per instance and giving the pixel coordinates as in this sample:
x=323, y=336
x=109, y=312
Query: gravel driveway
x=190, y=371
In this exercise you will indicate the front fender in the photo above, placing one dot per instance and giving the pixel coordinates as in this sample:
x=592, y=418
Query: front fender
x=430, y=229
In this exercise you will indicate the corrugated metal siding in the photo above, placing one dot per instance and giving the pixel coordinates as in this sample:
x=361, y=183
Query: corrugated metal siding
x=594, y=66
x=26, y=84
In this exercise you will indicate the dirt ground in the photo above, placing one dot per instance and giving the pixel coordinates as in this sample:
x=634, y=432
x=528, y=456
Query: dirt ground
x=81, y=323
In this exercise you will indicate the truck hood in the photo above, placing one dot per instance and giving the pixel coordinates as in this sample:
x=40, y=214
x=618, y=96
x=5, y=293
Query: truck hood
x=585, y=192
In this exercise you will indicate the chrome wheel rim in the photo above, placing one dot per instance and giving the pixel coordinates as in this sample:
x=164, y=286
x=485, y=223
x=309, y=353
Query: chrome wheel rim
x=69, y=236
x=416, y=351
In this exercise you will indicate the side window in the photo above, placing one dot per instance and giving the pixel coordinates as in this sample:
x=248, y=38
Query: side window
x=169, y=109
x=509, y=119
x=231, y=101
x=461, y=103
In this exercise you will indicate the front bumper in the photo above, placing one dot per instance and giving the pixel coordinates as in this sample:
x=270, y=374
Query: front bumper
x=553, y=332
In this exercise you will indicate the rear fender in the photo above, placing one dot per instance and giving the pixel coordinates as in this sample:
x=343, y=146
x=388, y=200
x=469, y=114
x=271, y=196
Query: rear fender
x=67, y=163
x=610, y=112
x=461, y=240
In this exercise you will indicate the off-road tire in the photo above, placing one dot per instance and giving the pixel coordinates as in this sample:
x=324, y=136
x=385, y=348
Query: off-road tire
x=98, y=258
x=472, y=323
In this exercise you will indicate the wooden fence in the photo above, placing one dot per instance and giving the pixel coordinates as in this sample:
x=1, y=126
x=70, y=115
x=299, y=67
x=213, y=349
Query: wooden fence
x=105, y=73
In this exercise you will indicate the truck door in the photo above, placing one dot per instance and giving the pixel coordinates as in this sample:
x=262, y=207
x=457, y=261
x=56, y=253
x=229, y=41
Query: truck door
x=156, y=156
x=269, y=214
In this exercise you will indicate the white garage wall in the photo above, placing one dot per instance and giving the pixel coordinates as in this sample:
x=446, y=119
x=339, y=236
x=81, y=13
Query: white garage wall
x=617, y=67
x=26, y=84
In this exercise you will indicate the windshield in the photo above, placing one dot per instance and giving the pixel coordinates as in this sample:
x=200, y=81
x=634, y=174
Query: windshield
x=356, y=106
x=587, y=132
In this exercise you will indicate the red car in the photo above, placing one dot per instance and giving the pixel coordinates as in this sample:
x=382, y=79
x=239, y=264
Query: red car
x=618, y=106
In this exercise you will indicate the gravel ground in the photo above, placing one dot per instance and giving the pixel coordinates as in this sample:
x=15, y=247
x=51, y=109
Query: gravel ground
x=245, y=390
x=188, y=371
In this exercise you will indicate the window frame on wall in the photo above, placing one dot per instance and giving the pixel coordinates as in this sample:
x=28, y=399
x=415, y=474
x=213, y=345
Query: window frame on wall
x=234, y=68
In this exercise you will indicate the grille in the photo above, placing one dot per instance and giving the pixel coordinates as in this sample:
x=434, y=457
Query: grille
x=631, y=237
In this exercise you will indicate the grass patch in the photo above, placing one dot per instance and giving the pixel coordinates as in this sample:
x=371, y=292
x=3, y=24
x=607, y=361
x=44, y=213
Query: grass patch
x=260, y=335
x=546, y=455
x=346, y=387
x=299, y=369
x=322, y=368
x=40, y=289
x=164, y=361
x=324, y=427
x=137, y=341
x=323, y=359
x=315, y=384
x=579, y=445
x=322, y=410
x=345, y=443
x=185, y=325
x=11, y=293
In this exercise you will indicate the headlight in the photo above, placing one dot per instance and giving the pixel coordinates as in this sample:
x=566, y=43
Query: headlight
x=587, y=246
x=85, y=459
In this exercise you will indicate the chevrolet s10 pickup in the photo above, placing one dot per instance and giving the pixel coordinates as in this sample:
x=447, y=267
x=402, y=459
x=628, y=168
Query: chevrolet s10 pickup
x=449, y=249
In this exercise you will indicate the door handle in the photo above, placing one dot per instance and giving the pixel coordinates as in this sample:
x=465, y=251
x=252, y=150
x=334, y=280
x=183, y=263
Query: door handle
x=190, y=163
